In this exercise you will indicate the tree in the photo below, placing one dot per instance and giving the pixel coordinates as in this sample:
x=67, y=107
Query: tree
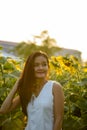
x=45, y=39
x=47, y=44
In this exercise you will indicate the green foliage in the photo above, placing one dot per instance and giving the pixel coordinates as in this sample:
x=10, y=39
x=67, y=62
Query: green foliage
x=47, y=44
x=73, y=77
x=9, y=72
x=69, y=72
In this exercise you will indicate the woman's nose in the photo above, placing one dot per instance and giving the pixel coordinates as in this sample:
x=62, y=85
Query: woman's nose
x=40, y=66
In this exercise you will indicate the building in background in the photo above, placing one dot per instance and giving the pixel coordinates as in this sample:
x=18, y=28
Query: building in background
x=68, y=52
x=8, y=46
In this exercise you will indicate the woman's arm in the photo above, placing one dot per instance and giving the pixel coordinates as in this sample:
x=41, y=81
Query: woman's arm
x=10, y=102
x=58, y=106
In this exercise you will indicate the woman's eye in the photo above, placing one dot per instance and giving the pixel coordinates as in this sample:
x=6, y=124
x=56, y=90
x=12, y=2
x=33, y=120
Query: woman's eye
x=44, y=64
x=35, y=65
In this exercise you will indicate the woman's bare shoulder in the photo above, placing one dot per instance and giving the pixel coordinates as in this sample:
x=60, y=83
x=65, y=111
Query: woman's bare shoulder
x=57, y=87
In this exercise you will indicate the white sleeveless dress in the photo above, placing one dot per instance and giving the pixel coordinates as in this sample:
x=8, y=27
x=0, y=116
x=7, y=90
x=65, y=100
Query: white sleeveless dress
x=40, y=109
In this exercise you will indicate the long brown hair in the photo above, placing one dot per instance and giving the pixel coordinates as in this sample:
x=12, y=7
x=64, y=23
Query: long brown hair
x=27, y=79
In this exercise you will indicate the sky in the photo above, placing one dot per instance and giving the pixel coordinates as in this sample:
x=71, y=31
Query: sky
x=65, y=20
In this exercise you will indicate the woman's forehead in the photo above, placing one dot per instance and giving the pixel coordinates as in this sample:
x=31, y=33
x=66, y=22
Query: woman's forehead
x=40, y=59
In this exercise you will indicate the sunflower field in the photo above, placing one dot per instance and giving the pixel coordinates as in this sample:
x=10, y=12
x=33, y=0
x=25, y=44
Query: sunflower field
x=69, y=71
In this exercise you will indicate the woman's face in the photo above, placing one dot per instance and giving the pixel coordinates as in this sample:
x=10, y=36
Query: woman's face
x=40, y=67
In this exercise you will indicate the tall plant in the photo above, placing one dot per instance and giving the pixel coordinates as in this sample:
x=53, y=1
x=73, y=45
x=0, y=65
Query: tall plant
x=73, y=77
x=10, y=70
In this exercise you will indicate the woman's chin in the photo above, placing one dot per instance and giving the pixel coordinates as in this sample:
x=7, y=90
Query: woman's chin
x=40, y=76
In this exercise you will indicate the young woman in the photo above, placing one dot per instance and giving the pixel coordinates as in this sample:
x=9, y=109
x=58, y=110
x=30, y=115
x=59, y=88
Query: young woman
x=42, y=100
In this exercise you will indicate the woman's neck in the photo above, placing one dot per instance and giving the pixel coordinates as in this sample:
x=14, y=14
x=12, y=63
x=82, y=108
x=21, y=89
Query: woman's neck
x=40, y=82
